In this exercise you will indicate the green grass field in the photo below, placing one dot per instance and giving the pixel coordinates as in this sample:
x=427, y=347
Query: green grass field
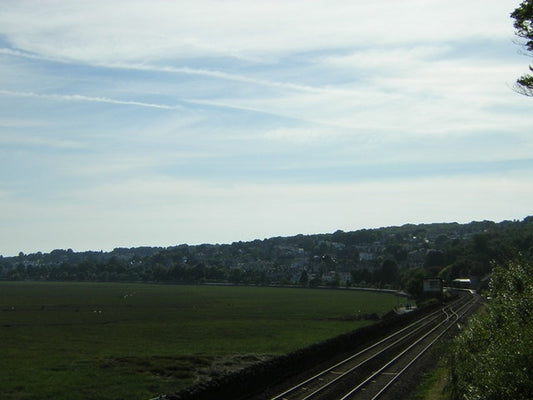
x=134, y=341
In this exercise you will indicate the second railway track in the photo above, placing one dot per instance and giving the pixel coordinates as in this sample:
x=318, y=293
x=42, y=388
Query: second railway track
x=370, y=372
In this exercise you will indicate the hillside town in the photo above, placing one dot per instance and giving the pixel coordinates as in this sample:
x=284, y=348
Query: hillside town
x=392, y=257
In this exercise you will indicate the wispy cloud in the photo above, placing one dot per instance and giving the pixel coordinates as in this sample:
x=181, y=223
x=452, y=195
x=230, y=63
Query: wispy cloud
x=41, y=142
x=17, y=53
x=92, y=31
x=188, y=71
x=79, y=97
x=230, y=77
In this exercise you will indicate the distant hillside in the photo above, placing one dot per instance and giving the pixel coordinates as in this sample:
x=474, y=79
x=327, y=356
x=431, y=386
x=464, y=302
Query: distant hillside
x=395, y=257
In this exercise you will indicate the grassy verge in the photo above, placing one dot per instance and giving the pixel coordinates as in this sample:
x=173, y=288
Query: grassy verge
x=113, y=341
x=433, y=386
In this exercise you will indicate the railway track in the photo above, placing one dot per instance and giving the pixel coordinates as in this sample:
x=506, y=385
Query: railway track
x=369, y=373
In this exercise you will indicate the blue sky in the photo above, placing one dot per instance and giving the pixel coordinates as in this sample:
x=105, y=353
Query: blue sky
x=132, y=123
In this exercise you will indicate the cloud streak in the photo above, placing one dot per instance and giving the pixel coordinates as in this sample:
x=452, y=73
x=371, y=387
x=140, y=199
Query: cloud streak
x=190, y=71
x=79, y=97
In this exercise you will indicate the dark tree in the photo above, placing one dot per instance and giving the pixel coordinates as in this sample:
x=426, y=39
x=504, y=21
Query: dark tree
x=387, y=273
x=523, y=24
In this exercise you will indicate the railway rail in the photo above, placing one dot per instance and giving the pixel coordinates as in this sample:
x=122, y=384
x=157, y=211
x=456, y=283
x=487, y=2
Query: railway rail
x=369, y=373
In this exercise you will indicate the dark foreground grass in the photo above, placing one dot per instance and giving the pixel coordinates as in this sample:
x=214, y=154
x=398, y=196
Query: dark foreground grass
x=434, y=384
x=134, y=341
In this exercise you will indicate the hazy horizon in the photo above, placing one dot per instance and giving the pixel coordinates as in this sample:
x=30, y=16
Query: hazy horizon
x=109, y=249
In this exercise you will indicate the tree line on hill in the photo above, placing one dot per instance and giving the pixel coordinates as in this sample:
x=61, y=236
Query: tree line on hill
x=392, y=257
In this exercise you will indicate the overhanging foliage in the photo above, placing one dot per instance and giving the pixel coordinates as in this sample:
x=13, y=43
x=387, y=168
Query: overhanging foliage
x=492, y=358
x=523, y=24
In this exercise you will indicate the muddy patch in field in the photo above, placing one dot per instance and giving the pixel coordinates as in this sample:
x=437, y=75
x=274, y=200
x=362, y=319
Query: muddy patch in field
x=198, y=368
x=231, y=363
x=172, y=367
